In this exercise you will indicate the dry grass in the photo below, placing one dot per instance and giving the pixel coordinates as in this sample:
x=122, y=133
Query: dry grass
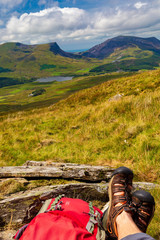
x=153, y=228
x=11, y=186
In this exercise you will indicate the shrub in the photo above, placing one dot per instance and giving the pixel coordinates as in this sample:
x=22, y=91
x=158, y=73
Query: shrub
x=38, y=92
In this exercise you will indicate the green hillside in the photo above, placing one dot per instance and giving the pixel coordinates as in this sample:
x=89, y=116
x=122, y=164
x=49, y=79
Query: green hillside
x=129, y=60
x=25, y=63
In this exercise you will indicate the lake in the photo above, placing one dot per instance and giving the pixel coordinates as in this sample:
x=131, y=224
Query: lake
x=55, y=78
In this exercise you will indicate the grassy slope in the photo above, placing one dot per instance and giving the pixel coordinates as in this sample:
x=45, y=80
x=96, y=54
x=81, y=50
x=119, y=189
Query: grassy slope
x=88, y=128
x=153, y=228
x=130, y=59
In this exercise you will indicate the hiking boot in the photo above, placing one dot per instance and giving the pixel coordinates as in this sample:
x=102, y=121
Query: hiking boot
x=144, y=205
x=120, y=187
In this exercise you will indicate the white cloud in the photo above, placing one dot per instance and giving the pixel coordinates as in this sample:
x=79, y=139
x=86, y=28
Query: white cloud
x=6, y=6
x=138, y=5
x=74, y=25
x=49, y=21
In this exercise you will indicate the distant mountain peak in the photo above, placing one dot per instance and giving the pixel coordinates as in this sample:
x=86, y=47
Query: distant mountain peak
x=106, y=48
x=54, y=47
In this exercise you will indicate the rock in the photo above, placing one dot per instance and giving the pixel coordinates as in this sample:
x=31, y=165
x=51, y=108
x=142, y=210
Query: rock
x=116, y=97
x=57, y=170
x=20, y=180
x=16, y=205
x=7, y=235
x=146, y=185
x=23, y=206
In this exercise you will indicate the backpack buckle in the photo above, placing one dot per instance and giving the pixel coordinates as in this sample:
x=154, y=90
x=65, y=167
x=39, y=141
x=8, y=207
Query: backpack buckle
x=58, y=206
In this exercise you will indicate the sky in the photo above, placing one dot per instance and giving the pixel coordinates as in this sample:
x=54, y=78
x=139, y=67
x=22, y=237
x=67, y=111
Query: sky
x=77, y=24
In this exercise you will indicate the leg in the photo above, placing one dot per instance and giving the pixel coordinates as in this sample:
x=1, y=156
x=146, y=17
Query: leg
x=120, y=187
x=126, y=225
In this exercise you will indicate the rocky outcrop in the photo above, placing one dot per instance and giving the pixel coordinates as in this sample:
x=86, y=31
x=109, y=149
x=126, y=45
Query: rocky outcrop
x=23, y=206
x=57, y=170
x=20, y=207
x=116, y=97
x=54, y=48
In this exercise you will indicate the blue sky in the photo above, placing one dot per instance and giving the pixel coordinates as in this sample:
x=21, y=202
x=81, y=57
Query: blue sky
x=77, y=24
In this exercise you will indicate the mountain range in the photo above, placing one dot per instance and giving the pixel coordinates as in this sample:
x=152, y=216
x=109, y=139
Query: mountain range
x=99, y=51
x=20, y=62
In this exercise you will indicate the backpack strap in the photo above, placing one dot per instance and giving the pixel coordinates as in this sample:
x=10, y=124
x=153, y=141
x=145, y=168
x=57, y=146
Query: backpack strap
x=56, y=205
x=45, y=206
x=92, y=220
x=20, y=231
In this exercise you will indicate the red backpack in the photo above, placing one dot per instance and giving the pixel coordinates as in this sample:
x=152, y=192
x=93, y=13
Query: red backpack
x=65, y=218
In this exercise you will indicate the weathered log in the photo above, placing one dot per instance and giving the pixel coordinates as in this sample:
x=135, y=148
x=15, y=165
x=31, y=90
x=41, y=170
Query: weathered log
x=57, y=170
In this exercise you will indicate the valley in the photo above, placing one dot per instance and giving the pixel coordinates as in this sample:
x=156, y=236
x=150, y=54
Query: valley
x=20, y=63
x=15, y=98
